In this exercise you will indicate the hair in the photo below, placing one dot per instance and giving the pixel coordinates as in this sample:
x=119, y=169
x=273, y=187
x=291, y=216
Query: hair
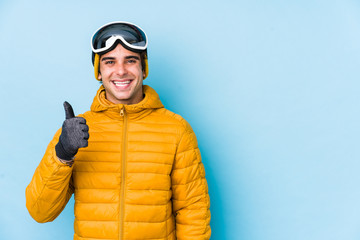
x=143, y=57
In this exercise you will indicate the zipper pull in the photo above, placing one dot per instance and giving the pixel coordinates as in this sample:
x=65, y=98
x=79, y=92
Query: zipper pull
x=122, y=112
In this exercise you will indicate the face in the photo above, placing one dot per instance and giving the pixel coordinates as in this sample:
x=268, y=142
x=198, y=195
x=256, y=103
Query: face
x=122, y=76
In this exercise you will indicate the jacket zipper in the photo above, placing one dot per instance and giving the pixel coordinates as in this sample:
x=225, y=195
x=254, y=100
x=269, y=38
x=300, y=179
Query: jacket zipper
x=123, y=167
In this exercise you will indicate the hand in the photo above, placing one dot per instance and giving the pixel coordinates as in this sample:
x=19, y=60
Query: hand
x=74, y=135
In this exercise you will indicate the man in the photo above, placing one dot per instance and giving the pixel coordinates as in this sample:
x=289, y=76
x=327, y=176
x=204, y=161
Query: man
x=134, y=166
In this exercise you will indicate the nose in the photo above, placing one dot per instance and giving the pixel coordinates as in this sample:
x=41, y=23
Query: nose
x=121, y=69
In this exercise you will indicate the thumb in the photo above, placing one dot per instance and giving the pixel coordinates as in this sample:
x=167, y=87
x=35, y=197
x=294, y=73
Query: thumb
x=69, y=112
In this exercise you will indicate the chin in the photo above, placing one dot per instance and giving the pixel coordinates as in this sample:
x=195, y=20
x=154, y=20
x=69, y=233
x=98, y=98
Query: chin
x=122, y=98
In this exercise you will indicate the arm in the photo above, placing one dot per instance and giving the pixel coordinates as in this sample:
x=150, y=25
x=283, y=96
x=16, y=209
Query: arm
x=191, y=201
x=50, y=188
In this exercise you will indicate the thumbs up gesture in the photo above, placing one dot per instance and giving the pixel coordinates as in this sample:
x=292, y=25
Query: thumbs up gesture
x=74, y=135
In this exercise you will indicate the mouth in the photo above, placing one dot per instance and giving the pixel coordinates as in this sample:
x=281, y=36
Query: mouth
x=121, y=84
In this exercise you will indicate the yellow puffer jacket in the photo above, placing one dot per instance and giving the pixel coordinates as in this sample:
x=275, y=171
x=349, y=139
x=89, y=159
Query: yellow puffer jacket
x=141, y=176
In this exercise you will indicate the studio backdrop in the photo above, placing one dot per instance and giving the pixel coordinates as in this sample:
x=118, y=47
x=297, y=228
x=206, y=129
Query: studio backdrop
x=271, y=89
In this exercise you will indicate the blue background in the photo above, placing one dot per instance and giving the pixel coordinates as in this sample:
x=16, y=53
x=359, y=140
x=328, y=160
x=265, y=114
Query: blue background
x=271, y=88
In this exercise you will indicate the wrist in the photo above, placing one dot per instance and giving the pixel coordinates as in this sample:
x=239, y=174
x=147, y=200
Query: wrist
x=62, y=154
x=67, y=162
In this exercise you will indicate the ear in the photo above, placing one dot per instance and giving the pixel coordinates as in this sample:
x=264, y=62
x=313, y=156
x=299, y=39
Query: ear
x=99, y=76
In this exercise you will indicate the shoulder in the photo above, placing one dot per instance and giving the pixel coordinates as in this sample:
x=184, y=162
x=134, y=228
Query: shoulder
x=173, y=118
x=87, y=115
x=93, y=118
x=186, y=138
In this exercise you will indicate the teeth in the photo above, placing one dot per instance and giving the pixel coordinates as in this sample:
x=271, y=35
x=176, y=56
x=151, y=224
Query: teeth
x=122, y=83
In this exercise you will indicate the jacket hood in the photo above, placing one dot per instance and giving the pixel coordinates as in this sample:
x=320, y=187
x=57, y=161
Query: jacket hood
x=150, y=102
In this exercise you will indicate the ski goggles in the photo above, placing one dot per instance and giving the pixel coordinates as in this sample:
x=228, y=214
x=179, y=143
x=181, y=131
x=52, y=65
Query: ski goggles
x=131, y=37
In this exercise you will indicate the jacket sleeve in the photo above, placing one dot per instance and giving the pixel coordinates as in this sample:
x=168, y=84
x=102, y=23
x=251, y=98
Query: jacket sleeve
x=191, y=203
x=50, y=188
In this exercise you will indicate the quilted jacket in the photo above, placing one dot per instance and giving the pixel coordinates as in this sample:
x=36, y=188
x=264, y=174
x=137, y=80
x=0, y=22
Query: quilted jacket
x=141, y=176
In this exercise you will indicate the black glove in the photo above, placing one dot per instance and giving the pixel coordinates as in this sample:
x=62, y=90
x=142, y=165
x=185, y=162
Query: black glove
x=74, y=135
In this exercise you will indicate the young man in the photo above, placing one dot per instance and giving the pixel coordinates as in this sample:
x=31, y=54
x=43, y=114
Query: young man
x=134, y=166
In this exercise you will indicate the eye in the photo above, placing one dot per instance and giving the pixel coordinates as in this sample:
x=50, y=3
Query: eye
x=109, y=62
x=131, y=61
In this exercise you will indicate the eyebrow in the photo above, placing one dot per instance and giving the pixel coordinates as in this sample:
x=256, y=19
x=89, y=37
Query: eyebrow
x=107, y=58
x=132, y=56
x=127, y=57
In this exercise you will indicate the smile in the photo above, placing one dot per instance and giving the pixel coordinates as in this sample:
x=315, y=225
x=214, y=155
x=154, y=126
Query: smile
x=121, y=83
